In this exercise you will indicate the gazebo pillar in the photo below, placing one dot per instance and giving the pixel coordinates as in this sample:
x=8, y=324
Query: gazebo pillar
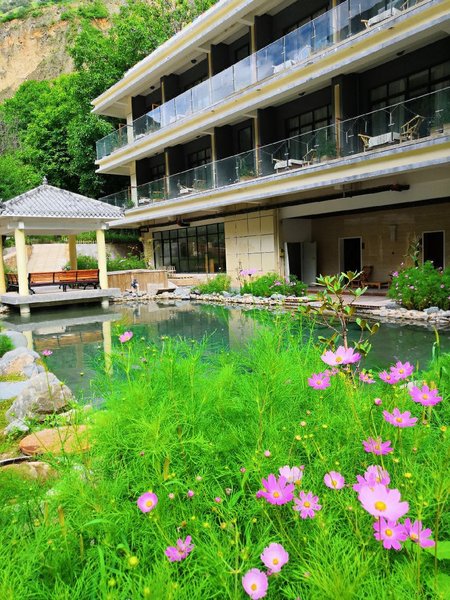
x=101, y=252
x=73, y=251
x=22, y=268
x=2, y=269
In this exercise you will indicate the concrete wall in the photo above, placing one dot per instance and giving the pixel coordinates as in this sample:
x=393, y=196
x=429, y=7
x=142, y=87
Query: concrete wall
x=252, y=242
x=380, y=250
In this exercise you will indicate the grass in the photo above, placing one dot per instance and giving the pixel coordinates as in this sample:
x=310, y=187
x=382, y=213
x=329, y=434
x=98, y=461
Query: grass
x=178, y=418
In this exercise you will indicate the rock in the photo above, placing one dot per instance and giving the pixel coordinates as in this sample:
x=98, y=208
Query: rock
x=38, y=470
x=391, y=306
x=70, y=439
x=11, y=389
x=20, y=361
x=43, y=395
x=431, y=310
x=17, y=338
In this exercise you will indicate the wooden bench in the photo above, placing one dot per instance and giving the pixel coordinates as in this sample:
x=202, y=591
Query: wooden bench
x=12, y=283
x=64, y=279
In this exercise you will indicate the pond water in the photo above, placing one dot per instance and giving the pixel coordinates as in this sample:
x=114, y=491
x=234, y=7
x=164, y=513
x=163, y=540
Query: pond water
x=79, y=336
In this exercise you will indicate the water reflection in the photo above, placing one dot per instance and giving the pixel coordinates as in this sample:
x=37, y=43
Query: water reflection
x=83, y=338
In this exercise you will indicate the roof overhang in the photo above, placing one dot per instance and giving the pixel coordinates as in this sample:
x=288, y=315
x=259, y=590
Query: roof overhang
x=50, y=226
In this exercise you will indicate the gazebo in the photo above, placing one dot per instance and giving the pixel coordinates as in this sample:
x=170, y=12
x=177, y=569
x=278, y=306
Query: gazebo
x=48, y=210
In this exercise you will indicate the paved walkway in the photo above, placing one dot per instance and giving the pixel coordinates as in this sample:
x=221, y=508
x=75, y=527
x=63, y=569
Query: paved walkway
x=48, y=257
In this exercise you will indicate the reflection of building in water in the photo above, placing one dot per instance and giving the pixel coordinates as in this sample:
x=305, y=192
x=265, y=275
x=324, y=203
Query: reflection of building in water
x=241, y=327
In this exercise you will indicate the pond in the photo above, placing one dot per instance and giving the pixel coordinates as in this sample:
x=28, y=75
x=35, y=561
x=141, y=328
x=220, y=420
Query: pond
x=79, y=336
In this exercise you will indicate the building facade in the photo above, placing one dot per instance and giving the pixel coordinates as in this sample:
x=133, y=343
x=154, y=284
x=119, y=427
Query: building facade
x=289, y=136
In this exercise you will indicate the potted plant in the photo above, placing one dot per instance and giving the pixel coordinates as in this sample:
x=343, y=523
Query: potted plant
x=245, y=168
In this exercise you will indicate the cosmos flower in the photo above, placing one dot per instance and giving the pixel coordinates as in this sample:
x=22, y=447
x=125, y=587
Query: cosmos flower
x=147, y=501
x=334, y=480
x=402, y=370
x=292, y=474
x=276, y=491
x=342, y=356
x=418, y=535
x=255, y=584
x=319, y=381
x=125, y=337
x=377, y=446
x=180, y=551
x=380, y=501
x=374, y=475
x=366, y=377
x=274, y=557
x=388, y=377
x=424, y=395
x=398, y=419
x=190, y=493
x=307, y=505
x=390, y=533
x=47, y=352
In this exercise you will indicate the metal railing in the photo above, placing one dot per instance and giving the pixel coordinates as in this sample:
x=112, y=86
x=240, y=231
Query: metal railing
x=387, y=127
x=297, y=47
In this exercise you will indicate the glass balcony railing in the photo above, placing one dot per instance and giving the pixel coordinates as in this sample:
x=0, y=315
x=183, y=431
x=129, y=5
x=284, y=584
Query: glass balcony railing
x=343, y=21
x=387, y=127
x=115, y=140
x=121, y=199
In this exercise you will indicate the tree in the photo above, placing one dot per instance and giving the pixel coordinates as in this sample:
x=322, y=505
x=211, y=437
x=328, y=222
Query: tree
x=16, y=176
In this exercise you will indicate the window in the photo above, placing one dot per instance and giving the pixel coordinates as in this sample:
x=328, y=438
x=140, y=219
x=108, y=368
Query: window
x=245, y=139
x=191, y=249
x=194, y=83
x=157, y=172
x=305, y=20
x=201, y=157
x=241, y=52
x=433, y=248
x=309, y=121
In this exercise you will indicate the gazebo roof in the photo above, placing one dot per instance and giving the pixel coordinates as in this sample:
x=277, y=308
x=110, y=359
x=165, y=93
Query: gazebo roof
x=51, y=210
x=49, y=201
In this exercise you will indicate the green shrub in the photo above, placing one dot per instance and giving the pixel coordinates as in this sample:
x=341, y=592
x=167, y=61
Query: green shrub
x=421, y=287
x=113, y=264
x=220, y=283
x=5, y=344
x=83, y=262
x=272, y=283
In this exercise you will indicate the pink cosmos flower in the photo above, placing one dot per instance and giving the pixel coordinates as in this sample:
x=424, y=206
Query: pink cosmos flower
x=366, y=378
x=388, y=377
x=292, y=475
x=190, y=494
x=218, y=499
x=342, y=356
x=267, y=453
x=374, y=475
x=424, y=395
x=418, y=535
x=399, y=419
x=47, y=352
x=274, y=557
x=380, y=501
x=307, y=505
x=319, y=381
x=334, y=480
x=180, y=551
x=378, y=401
x=390, y=533
x=255, y=584
x=402, y=370
x=276, y=491
x=377, y=446
x=147, y=501
x=125, y=337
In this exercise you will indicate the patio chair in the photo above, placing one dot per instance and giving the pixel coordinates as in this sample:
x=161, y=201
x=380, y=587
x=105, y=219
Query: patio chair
x=365, y=140
x=310, y=157
x=410, y=129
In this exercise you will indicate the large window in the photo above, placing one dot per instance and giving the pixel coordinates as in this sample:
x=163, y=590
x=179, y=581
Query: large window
x=307, y=19
x=199, y=158
x=157, y=172
x=191, y=249
x=309, y=121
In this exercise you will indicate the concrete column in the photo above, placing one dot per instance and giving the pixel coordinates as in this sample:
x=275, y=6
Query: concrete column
x=101, y=251
x=133, y=184
x=22, y=260
x=2, y=269
x=73, y=252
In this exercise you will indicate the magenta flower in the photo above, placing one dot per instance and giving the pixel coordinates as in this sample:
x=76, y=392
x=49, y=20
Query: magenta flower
x=319, y=381
x=267, y=453
x=180, y=551
x=334, y=480
x=218, y=499
x=147, y=501
x=342, y=356
x=255, y=584
x=388, y=377
x=274, y=557
x=292, y=475
x=398, y=419
x=47, y=352
x=276, y=491
x=377, y=446
x=418, y=535
x=390, y=533
x=425, y=396
x=366, y=377
x=374, y=475
x=378, y=401
x=190, y=494
x=307, y=505
x=380, y=501
x=402, y=370
x=125, y=337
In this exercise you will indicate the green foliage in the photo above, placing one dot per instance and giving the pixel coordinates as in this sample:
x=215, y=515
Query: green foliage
x=219, y=283
x=16, y=176
x=113, y=264
x=83, y=262
x=272, y=283
x=421, y=287
x=94, y=10
x=5, y=344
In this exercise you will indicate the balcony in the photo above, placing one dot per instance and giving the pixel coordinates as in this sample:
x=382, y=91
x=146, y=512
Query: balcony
x=391, y=127
x=347, y=19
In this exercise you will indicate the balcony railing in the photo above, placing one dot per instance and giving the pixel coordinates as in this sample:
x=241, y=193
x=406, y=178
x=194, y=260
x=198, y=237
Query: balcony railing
x=387, y=127
x=121, y=199
x=343, y=21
